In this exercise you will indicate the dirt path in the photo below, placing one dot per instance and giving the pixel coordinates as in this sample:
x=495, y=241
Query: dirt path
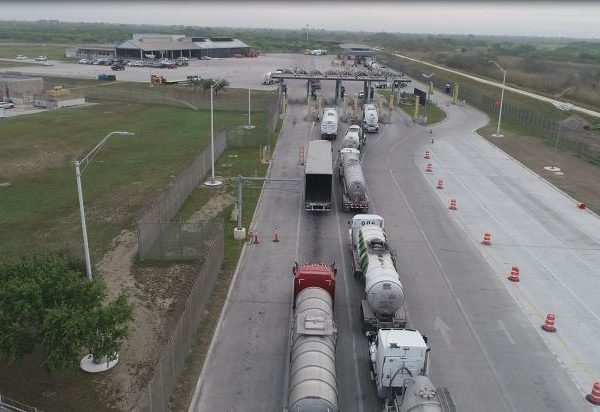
x=211, y=209
x=115, y=268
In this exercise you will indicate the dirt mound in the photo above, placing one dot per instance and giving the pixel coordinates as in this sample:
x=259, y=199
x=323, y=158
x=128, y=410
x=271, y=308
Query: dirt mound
x=575, y=122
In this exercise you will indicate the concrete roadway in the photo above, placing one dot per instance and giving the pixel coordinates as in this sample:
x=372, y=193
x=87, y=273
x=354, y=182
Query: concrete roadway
x=484, y=348
x=487, y=347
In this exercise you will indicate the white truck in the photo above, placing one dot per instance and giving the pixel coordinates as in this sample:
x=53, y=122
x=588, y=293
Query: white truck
x=370, y=118
x=267, y=79
x=329, y=123
x=354, y=138
x=373, y=261
x=399, y=366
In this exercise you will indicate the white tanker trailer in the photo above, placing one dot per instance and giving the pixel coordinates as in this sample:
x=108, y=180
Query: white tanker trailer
x=353, y=181
x=373, y=261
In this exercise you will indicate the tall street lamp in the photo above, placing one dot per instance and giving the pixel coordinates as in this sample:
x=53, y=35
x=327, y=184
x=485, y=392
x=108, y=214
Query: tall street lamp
x=497, y=134
x=563, y=107
x=212, y=181
x=80, y=166
x=249, y=125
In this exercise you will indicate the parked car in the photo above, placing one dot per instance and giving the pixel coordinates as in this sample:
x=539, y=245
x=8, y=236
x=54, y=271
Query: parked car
x=6, y=105
x=116, y=67
x=41, y=59
x=47, y=63
x=21, y=57
x=84, y=61
x=183, y=59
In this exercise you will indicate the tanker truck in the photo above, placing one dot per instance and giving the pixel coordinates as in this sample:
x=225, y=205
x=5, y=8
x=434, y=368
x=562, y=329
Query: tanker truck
x=373, y=262
x=353, y=181
x=354, y=138
x=370, y=118
x=399, y=361
x=329, y=124
x=312, y=383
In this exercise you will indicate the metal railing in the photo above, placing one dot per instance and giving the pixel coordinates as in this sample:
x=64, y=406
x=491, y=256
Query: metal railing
x=15, y=406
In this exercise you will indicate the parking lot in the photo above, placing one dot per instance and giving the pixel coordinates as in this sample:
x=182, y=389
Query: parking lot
x=240, y=72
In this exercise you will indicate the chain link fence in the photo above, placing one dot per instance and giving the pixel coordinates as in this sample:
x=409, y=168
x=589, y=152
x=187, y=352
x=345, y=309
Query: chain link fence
x=161, y=238
x=163, y=383
x=572, y=132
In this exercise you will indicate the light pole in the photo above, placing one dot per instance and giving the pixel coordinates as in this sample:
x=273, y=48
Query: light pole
x=563, y=107
x=80, y=166
x=212, y=181
x=249, y=125
x=497, y=134
x=307, y=35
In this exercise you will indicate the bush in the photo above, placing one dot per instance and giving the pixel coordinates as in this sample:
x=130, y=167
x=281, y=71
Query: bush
x=44, y=301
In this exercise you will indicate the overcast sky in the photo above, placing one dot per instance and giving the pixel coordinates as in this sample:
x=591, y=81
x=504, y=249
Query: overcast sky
x=543, y=18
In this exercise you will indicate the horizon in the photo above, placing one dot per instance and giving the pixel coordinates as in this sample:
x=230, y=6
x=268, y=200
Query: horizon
x=573, y=20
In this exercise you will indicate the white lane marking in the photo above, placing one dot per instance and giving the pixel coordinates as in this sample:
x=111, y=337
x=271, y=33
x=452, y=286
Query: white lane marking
x=461, y=308
x=440, y=325
x=348, y=310
x=503, y=328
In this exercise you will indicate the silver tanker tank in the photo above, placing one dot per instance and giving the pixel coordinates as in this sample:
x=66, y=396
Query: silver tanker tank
x=313, y=386
x=355, y=188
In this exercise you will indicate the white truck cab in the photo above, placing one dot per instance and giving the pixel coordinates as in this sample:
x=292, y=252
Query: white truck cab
x=397, y=356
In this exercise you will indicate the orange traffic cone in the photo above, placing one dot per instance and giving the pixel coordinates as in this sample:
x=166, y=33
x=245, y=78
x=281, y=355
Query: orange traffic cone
x=514, y=274
x=452, y=204
x=426, y=154
x=440, y=184
x=429, y=167
x=276, y=234
x=487, y=239
x=254, y=238
x=548, y=326
x=581, y=205
x=594, y=397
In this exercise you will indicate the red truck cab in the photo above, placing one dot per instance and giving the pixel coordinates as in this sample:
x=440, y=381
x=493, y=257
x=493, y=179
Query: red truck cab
x=314, y=275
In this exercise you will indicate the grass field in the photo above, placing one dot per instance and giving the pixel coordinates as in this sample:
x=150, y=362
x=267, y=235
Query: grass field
x=533, y=104
x=38, y=201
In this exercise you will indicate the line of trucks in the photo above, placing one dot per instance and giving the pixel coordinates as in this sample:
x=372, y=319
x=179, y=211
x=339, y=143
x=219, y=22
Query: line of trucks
x=398, y=356
x=318, y=174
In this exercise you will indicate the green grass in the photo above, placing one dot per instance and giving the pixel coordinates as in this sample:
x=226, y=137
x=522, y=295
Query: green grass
x=509, y=97
x=433, y=112
x=39, y=210
x=10, y=51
